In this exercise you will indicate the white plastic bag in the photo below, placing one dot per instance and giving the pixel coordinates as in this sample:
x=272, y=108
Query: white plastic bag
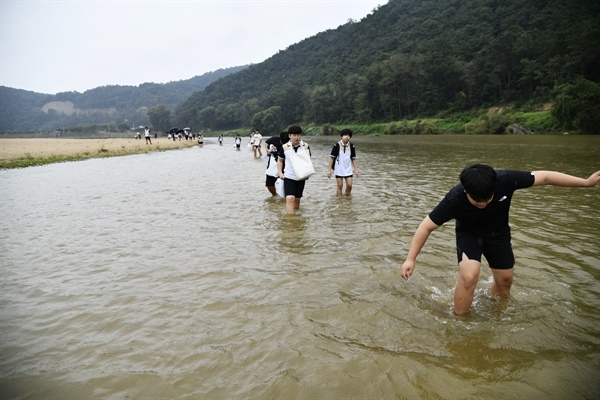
x=272, y=166
x=279, y=188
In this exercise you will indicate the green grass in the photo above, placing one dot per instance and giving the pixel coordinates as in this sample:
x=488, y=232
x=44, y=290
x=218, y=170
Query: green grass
x=470, y=123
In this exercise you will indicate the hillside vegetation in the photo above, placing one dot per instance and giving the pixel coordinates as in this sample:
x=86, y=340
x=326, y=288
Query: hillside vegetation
x=411, y=59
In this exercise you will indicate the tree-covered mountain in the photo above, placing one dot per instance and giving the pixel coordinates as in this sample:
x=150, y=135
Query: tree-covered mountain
x=22, y=110
x=411, y=58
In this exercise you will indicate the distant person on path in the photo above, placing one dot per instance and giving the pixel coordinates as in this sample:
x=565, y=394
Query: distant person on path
x=257, y=143
x=342, y=162
x=221, y=140
x=293, y=166
x=147, y=135
x=480, y=205
x=200, y=140
x=173, y=132
x=273, y=146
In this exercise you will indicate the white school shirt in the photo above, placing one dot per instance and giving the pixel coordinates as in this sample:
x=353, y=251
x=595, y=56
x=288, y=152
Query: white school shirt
x=288, y=149
x=343, y=162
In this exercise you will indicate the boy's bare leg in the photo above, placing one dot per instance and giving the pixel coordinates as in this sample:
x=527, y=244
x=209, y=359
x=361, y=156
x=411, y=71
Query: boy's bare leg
x=348, y=185
x=340, y=184
x=503, y=279
x=467, y=282
x=290, y=204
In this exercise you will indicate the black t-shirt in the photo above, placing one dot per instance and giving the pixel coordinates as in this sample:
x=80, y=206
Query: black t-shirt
x=275, y=141
x=489, y=221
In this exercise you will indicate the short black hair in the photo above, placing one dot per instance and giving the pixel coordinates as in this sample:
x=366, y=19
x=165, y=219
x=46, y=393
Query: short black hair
x=479, y=181
x=284, y=137
x=294, y=129
x=346, y=132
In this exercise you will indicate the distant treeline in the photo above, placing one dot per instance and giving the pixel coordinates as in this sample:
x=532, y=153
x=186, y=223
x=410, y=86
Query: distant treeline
x=112, y=105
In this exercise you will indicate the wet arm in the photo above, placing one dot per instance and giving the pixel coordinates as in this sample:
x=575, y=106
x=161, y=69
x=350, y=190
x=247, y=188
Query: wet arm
x=280, y=167
x=330, y=167
x=421, y=235
x=559, y=179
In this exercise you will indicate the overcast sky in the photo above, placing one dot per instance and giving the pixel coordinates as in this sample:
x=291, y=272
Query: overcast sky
x=51, y=46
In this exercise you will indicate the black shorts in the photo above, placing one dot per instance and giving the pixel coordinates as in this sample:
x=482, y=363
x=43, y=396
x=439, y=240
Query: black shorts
x=270, y=180
x=496, y=250
x=293, y=188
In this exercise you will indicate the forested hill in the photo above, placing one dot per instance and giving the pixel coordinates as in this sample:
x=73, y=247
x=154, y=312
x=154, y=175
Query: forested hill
x=22, y=110
x=411, y=58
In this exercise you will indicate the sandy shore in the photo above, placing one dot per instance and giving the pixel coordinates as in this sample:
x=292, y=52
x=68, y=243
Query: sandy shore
x=58, y=149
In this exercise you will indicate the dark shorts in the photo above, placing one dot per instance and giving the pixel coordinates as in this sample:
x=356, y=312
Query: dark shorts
x=344, y=177
x=293, y=188
x=496, y=250
x=270, y=180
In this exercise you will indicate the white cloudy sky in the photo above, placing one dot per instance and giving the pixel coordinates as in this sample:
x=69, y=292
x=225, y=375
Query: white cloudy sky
x=51, y=46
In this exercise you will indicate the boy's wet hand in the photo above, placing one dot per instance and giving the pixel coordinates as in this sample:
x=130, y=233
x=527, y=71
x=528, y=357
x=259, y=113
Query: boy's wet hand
x=407, y=270
x=594, y=179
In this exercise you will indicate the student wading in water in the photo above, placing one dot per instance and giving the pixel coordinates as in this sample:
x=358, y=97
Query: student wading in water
x=295, y=155
x=342, y=162
x=480, y=205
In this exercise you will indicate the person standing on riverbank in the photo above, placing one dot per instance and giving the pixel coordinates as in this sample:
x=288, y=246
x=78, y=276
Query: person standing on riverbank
x=342, y=162
x=147, y=135
x=480, y=205
x=294, y=167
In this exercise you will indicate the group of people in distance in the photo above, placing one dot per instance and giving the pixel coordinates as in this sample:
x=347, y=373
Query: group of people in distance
x=479, y=204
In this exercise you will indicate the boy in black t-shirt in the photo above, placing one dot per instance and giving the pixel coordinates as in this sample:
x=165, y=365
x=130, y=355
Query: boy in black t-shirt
x=273, y=147
x=480, y=205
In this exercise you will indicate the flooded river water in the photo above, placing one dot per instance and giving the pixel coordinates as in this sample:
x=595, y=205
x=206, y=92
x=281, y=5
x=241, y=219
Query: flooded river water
x=174, y=275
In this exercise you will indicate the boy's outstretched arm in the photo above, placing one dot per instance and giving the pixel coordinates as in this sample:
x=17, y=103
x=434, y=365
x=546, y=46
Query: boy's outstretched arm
x=423, y=231
x=559, y=179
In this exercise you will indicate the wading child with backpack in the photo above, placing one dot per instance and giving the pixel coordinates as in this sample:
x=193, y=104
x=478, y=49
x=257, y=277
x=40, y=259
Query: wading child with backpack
x=342, y=162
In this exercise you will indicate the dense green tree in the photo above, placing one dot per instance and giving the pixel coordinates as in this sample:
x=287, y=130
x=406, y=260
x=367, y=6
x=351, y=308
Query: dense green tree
x=577, y=105
x=269, y=121
x=206, y=117
x=160, y=118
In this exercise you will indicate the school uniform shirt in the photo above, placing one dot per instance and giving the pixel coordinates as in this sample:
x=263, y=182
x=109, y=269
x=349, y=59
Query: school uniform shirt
x=343, y=156
x=286, y=149
x=491, y=221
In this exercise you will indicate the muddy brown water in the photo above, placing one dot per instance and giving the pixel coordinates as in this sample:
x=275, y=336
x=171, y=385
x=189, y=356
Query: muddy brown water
x=175, y=275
